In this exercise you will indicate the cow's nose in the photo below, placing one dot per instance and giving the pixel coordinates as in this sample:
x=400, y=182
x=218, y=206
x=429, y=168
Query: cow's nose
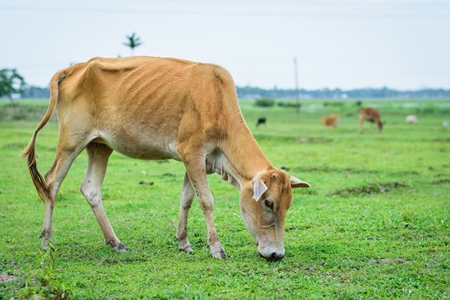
x=273, y=257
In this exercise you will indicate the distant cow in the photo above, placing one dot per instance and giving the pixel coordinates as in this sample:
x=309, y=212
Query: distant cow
x=330, y=120
x=411, y=119
x=261, y=121
x=370, y=114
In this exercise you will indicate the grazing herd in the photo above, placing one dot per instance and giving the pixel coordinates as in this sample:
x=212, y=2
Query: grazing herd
x=368, y=114
x=365, y=114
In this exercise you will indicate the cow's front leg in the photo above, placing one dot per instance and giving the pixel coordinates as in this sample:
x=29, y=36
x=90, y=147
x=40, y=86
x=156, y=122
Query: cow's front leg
x=361, y=125
x=187, y=196
x=215, y=247
x=197, y=175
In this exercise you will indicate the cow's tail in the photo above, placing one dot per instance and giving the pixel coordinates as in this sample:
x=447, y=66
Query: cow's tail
x=29, y=151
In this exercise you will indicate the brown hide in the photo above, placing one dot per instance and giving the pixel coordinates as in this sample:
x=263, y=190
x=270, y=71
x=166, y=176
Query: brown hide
x=330, y=120
x=162, y=108
x=370, y=114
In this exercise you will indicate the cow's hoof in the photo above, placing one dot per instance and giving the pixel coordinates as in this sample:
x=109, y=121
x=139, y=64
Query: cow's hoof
x=47, y=247
x=187, y=249
x=47, y=244
x=120, y=248
x=219, y=254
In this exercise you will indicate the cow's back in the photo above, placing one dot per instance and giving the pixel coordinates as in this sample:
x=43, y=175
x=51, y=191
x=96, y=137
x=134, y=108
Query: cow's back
x=153, y=102
x=370, y=114
x=140, y=82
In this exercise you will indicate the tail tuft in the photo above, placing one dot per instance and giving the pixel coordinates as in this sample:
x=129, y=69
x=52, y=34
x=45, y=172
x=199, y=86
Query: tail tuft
x=38, y=180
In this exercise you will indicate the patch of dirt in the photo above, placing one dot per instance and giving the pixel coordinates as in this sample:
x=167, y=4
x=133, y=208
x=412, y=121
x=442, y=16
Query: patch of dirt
x=377, y=188
x=327, y=169
x=388, y=261
x=313, y=140
x=441, y=140
x=6, y=278
x=441, y=181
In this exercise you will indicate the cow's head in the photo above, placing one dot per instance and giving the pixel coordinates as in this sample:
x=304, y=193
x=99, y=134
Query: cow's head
x=264, y=204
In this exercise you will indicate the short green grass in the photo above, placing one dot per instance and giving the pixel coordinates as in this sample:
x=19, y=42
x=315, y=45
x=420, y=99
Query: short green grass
x=374, y=224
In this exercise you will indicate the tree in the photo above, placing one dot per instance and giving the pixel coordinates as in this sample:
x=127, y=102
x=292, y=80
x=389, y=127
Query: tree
x=264, y=102
x=11, y=83
x=133, y=42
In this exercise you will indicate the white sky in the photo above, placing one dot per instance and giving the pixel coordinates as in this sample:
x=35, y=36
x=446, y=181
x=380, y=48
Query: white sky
x=401, y=44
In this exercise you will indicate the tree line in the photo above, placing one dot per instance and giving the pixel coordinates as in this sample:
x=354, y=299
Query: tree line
x=257, y=93
x=248, y=92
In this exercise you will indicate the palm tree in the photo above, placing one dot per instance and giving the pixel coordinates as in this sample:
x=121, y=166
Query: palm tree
x=133, y=42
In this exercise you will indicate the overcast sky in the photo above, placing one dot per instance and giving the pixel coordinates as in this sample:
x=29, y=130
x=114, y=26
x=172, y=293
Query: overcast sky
x=401, y=44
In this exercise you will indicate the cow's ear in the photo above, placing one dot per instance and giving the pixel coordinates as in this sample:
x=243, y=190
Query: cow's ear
x=297, y=183
x=259, y=188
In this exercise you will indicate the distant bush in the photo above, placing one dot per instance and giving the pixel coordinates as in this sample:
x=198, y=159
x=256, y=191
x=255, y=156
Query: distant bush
x=21, y=111
x=19, y=115
x=265, y=102
x=36, y=92
x=288, y=104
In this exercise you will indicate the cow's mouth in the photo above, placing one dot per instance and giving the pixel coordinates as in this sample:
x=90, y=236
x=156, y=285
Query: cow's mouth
x=273, y=257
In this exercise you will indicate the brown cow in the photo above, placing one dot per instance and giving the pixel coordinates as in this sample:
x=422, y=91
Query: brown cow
x=163, y=108
x=370, y=114
x=330, y=120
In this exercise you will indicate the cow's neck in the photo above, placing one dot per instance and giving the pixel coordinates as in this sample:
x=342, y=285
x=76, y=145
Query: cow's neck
x=238, y=159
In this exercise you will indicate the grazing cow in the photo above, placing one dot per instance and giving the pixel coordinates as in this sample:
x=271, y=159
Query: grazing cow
x=370, y=114
x=163, y=108
x=330, y=120
x=261, y=121
x=411, y=119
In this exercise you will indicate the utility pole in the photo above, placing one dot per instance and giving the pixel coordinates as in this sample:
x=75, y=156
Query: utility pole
x=297, y=101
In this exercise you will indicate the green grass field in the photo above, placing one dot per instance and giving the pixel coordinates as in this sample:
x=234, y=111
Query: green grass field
x=374, y=224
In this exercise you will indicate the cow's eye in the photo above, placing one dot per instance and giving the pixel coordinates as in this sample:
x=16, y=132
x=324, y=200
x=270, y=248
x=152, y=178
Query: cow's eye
x=268, y=203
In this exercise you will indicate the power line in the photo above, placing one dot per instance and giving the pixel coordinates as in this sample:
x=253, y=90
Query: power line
x=229, y=13
x=307, y=2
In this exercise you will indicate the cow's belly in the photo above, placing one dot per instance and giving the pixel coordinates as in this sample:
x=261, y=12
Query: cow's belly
x=141, y=147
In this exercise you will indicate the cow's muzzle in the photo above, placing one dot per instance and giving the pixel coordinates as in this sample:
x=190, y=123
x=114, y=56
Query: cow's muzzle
x=272, y=257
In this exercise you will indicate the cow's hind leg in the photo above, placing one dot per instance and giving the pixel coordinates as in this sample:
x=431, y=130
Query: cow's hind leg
x=98, y=155
x=54, y=178
x=187, y=196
